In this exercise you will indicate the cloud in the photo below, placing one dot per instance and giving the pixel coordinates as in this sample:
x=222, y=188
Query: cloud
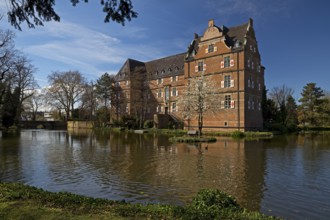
x=73, y=46
x=81, y=48
x=252, y=8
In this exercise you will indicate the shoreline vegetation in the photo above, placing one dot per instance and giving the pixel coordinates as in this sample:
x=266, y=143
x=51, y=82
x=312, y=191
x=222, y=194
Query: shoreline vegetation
x=18, y=201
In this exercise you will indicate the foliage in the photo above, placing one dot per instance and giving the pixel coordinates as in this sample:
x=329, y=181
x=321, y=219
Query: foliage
x=209, y=203
x=148, y=124
x=10, y=107
x=34, y=13
x=189, y=139
x=237, y=134
x=310, y=109
x=104, y=88
x=102, y=116
x=16, y=76
x=18, y=201
x=280, y=111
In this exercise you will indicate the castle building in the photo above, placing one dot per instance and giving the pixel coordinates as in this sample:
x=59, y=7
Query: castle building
x=227, y=55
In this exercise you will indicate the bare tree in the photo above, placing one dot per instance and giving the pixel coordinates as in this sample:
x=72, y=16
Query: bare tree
x=66, y=89
x=280, y=94
x=23, y=79
x=89, y=101
x=199, y=97
x=34, y=103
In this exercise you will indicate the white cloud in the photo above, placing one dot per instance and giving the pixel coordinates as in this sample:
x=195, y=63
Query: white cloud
x=80, y=48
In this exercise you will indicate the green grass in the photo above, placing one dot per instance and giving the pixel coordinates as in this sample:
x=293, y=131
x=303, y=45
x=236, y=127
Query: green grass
x=18, y=201
x=189, y=139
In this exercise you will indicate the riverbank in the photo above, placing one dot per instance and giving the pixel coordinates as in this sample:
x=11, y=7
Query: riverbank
x=18, y=201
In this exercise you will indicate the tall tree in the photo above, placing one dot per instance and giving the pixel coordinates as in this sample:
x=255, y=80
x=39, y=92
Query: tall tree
x=104, y=88
x=291, y=112
x=34, y=13
x=311, y=103
x=88, y=102
x=199, y=97
x=10, y=106
x=34, y=103
x=23, y=79
x=65, y=90
x=280, y=94
x=7, y=56
x=269, y=109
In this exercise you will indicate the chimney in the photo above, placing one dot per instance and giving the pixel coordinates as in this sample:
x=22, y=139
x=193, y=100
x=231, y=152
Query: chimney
x=211, y=23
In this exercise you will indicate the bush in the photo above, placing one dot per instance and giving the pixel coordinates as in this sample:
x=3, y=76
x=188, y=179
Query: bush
x=148, y=124
x=237, y=134
x=211, y=204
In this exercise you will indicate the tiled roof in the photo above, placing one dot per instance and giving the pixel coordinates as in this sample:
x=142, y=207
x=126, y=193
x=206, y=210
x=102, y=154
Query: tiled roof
x=236, y=33
x=172, y=65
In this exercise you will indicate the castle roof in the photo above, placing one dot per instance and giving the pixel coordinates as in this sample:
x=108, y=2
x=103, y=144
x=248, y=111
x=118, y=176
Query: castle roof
x=173, y=65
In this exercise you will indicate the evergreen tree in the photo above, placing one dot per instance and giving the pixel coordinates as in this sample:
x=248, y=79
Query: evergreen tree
x=269, y=109
x=310, y=110
x=10, y=107
x=291, y=109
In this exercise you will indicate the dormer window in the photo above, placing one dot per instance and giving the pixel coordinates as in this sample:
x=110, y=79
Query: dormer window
x=169, y=70
x=211, y=48
x=156, y=73
x=237, y=43
x=163, y=71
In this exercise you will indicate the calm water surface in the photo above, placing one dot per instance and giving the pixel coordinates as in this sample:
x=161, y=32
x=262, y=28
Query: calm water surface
x=286, y=176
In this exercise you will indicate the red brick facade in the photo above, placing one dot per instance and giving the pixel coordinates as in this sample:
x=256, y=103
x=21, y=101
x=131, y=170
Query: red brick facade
x=230, y=56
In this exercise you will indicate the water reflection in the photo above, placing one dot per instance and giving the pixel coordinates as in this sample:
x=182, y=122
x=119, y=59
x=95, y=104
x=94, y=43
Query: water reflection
x=275, y=176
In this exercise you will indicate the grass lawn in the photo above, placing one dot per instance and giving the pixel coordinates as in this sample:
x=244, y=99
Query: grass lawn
x=18, y=201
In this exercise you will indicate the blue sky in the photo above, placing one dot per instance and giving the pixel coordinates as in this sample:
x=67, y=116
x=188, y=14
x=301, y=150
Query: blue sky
x=293, y=37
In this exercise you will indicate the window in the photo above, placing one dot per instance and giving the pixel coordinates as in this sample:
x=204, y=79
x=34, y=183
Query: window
x=227, y=81
x=126, y=109
x=227, y=101
x=174, y=107
x=200, y=66
x=227, y=61
x=159, y=93
x=173, y=78
x=167, y=93
x=160, y=81
x=126, y=94
x=211, y=48
x=174, y=92
x=159, y=108
x=126, y=82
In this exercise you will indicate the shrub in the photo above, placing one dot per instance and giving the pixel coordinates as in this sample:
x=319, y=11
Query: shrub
x=211, y=204
x=237, y=134
x=148, y=124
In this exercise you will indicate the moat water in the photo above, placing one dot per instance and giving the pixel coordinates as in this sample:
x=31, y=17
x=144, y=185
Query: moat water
x=286, y=176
